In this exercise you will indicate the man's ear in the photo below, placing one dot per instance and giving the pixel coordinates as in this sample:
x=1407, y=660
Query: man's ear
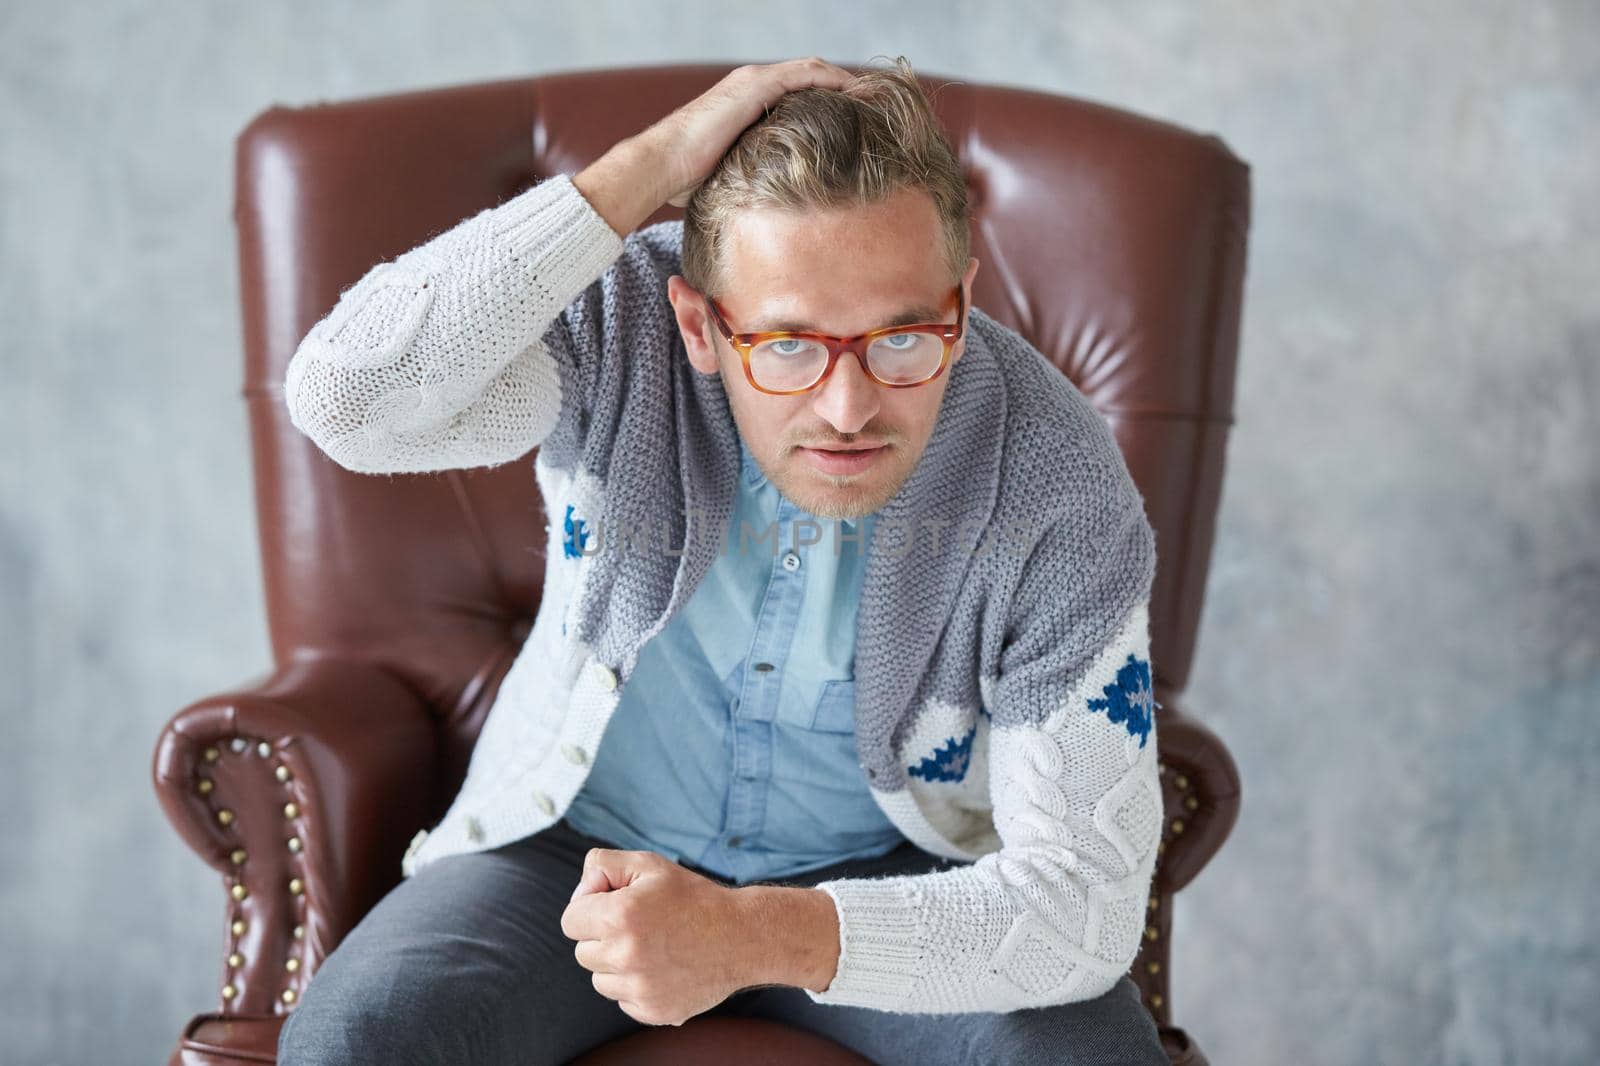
x=966, y=282
x=694, y=324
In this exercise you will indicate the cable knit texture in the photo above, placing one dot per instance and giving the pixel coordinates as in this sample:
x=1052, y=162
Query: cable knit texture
x=1004, y=711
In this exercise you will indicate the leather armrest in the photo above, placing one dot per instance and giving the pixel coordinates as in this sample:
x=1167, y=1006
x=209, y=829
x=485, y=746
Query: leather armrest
x=1200, y=797
x=1200, y=787
x=302, y=789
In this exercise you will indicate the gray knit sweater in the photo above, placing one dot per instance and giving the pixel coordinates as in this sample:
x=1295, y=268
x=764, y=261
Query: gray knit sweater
x=1004, y=711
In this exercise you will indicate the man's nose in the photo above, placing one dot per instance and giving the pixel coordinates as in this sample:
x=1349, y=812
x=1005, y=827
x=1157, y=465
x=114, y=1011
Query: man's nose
x=849, y=398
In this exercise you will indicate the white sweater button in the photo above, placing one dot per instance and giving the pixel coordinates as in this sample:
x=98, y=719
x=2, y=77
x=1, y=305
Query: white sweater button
x=606, y=676
x=573, y=753
x=546, y=804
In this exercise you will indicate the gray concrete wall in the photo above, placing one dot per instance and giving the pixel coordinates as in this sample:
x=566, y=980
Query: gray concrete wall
x=1401, y=641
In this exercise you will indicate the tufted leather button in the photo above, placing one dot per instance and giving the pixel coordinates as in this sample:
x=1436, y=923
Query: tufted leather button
x=606, y=676
x=574, y=754
x=546, y=804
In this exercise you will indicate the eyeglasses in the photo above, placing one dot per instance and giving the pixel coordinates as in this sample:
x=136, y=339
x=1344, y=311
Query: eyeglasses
x=783, y=363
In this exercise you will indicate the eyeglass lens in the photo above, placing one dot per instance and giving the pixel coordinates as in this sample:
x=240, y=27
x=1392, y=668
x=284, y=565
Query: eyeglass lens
x=787, y=363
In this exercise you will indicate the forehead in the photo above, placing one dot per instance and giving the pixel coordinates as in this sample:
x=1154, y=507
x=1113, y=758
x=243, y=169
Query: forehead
x=841, y=270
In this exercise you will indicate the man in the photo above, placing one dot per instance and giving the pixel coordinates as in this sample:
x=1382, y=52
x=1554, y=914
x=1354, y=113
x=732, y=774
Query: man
x=904, y=795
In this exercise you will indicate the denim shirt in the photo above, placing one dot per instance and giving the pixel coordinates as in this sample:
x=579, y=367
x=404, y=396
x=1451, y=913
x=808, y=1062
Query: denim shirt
x=733, y=748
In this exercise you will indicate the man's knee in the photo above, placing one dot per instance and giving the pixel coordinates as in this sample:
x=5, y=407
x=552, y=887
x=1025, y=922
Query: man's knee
x=1113, y=1028
x=321, y=1032
x=352, y=1012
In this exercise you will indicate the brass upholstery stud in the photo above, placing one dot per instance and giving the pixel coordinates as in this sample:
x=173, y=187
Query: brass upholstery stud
x=281, y=773
x=1161, y=848
x=204, y=786
x=1177, y=825
x=294, y=845
x=238, y=892
x=296, y=885
x=1192, y=803
x=239, y=927
x=299, y=932
x=263, y=749
x=235, y=959
x=292, y=965
x=291, y=809
x=1152, y=967
x=1155, y=901
x=225, y=816
x=212, y=755
x=1156, y=1001
x=1151, y=932
x=237, y=856
x=228, y=991
x=238, y=743
x=1181, y=781
x=288, y=995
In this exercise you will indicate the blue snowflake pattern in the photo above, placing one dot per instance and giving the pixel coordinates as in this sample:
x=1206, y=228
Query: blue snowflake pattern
x=576, y=535
x=949, y=762
x=1130, y=700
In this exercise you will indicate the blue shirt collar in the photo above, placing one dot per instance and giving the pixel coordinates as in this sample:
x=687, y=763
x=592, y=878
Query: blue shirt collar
x=753, y=478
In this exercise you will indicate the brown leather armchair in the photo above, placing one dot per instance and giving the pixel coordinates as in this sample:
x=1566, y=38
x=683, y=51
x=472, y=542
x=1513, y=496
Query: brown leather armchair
x=1112, y=241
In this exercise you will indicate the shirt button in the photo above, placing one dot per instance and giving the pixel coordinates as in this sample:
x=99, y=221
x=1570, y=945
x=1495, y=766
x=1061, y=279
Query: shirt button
x=791, y=562
x=546, y=804
x=573, y=753
x=605, y=676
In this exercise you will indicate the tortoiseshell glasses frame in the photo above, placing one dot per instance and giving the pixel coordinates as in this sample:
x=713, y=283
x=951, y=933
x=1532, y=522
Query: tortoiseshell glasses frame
x=744, y=343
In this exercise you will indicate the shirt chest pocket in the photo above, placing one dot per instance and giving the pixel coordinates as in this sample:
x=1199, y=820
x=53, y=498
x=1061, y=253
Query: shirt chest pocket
x=835, y=710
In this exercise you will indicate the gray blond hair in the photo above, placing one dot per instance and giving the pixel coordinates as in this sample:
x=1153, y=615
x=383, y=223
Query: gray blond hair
x=820, y=148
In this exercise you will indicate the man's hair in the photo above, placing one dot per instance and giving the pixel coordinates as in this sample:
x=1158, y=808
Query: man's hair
x=823, y=148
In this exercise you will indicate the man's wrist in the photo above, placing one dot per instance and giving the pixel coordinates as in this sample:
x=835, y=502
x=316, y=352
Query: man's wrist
x=624, y=185
x=793, y=935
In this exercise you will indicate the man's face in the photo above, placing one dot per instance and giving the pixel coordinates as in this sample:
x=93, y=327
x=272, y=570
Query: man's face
x=844, y=272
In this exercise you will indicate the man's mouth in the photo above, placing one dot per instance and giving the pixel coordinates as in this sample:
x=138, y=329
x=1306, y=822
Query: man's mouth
x=844, y=458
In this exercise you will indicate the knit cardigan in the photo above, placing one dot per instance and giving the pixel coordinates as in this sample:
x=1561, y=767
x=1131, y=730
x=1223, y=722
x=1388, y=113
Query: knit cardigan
x=1004, y=711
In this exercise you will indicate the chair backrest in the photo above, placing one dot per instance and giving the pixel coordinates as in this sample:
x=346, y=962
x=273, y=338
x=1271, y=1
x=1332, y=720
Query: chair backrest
x=1114, y=242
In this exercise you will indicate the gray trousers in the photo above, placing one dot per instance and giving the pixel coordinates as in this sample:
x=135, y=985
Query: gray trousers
x=465, y=962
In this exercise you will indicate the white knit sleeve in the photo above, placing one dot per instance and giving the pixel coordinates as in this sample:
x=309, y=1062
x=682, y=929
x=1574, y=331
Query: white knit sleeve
x=440, y=358
x=1055, y=915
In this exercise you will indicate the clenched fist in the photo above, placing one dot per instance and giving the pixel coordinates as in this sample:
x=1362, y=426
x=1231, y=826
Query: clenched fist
x=665, y=942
